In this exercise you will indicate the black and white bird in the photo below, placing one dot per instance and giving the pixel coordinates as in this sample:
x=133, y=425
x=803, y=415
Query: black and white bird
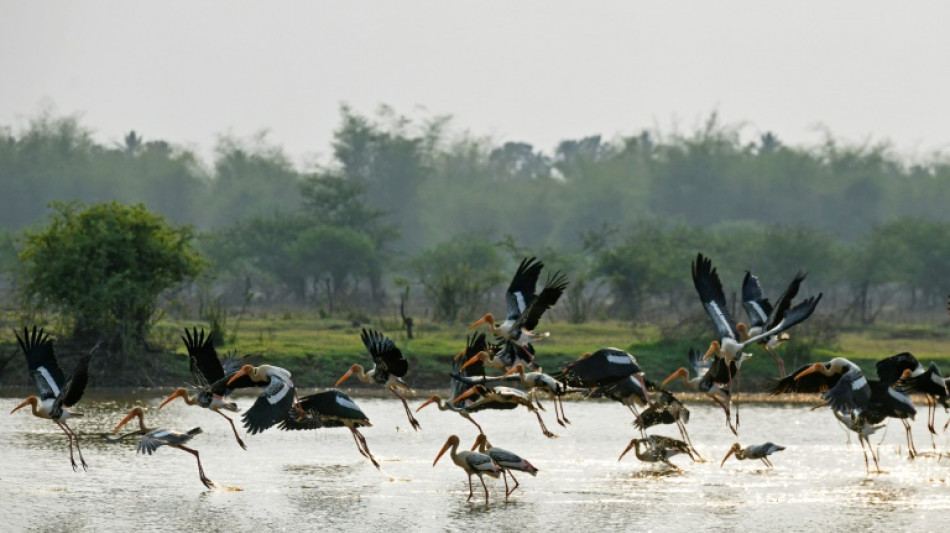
x=389, y=367
x=56, y=393
x=755, y=451
x=712, y=379
x=273, y=403
x=906, y=372
x=506, y=460
x=489, y=396
x=330, y=409
x=599, y=368
x=473, y=463
x=153, y=439
x=524, y=305
x=211, y=378
x=763, y=316
x=656, y=449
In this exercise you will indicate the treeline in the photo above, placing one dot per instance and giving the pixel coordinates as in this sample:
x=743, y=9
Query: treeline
x=414, y=210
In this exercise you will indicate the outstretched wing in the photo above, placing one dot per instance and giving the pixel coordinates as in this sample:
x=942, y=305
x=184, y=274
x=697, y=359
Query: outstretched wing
x=271, y=406
x=553, y=289
x=41, y=360
x=851, y=393
x=809, y=383
x=707, y=283
x=76, y=384
x=793, y=317
x=205, y=366
x=387, y=357
x=522, y=289
x=785, y=300
x=890, y=369
x=756, y=306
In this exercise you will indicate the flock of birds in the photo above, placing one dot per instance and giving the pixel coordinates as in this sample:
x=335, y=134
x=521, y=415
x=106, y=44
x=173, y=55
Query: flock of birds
x=862, y=405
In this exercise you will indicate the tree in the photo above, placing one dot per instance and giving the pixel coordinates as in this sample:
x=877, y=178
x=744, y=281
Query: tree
x=457, y=275
x=104, y=266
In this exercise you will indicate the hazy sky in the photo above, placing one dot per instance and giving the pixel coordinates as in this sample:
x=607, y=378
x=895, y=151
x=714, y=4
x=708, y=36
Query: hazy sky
x=540, y=71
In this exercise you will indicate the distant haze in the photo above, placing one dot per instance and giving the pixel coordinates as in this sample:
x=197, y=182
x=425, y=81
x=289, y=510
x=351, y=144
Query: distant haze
x=537, y=72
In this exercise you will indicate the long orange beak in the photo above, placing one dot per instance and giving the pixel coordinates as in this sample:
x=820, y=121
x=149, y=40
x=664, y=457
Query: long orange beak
x=480, y=439
x=473, y=359
x=344, y=378
x=487, y=319
x=448, y=445
x=466, y=394
x=518, y=368
x=22, y=405
x=427, y=402
x=245, y=370
x=813, y=368
x=180, y=393
x=713, y=348
x=132, y=414
x=682, y=372
x=628, y=448
x=731, y=451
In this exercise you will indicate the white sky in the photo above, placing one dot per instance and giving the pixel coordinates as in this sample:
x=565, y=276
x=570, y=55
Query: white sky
x=539, y=71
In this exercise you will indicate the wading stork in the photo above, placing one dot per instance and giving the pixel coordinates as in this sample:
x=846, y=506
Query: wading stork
x=153, y=439
x=473, y=463
x=656, y=449
x=755, y=451
x=389, y=367
x=56, y=393
x=506, y=460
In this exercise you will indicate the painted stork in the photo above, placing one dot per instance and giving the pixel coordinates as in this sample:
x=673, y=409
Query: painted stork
x=473, y=463
x=656, y=449
x=864, y=429
x=755, y=451
x=905, y=371
x=389, y=366
x=666, y=409
x=525, y=306
x=545, y=382
x=712, y=379
x=764, y=317
x=709, y=287
x=271, y=405
x=209, y=374
x=56, y=393
x=504, y=356
x=599, y=368
x=331, y=409
x=502, y=395
x=153, y=439
x=506, y=460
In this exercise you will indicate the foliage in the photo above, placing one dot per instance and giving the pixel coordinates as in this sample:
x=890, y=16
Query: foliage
x=458, y=275
x=105, y=265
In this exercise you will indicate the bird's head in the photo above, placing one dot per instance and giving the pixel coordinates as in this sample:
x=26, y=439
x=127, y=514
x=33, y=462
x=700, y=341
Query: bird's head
x=433, y=399
x=452, y=441
x=135, y=412
x=743, y=331
x=734, y=449
x=517, y=369
x=714, y=348
x=481, y=441
x=629, y=447
x=32, y=400
x=681, y=373
x=487, y=319
x=180, y=392
x=354, y=370
x=246, y=370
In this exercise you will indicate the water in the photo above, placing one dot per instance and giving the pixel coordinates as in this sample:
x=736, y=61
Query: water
x=317, y=479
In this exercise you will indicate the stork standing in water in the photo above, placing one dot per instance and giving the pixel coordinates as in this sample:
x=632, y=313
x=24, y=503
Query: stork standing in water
x=728, y=346
x=755, y=451
x=209, y=374
x=506, y=460
x=331, y=409
x=473, y=463
x=389, y=368
x=656, y=449
x=57, y=394
x=273, y=404
x=153, y=439
x=524, y=305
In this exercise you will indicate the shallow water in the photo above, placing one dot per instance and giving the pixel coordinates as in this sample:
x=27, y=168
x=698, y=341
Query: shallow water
x=317, y=479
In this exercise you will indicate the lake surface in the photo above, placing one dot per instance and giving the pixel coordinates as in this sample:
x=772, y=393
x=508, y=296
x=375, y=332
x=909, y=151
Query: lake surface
x=311, y=480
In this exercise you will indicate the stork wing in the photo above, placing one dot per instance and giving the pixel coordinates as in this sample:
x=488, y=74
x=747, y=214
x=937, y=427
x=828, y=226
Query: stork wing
x=851, y=393
x=810, y=383
x=700, y=367
x=512, y=354
x=155, y=439
x=785, y=300
x=481, y=462
x=204, y=362
x=41, y=360
x=553, y=289
x=756, y=306
x=522, y=289
x=76, y=384
x=230, y=367
x=793, y=317
x=271, y=406
x=706, y=281
x=386, y=355
x=327, y=409
x=889, y=369
x=599, y=368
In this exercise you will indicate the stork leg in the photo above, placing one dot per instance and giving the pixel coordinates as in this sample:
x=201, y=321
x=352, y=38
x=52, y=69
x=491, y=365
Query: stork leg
x=201, y=471
x=911, y=449
x=544, y=428
x=778, y=360
x=69, y=438
x=534, y=394
x=365, y=447
x=412, y=419
x=725, y=408
x=470, y=492
x=513, y=478
x=504, y=476
x=359, y=446
x=690, y=448
x=636, y=414
x=472, y=420
x=560, y=400
x=867, y=467
x=767, y=462
x=75, y=440
x=233, y=428
x=480, y=478
x=738, y=374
